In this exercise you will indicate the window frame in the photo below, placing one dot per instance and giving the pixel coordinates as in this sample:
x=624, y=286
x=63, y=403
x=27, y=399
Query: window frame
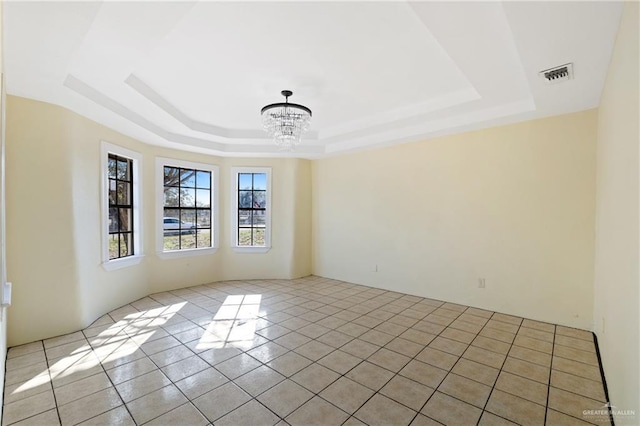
x=136, y=166
x=161, y=162
x=235, y=171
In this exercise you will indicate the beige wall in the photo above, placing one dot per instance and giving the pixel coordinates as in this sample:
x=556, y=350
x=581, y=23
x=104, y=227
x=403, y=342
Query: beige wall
x=3, y=310
x=54, y=224
x=617, y=283
x=513, y=205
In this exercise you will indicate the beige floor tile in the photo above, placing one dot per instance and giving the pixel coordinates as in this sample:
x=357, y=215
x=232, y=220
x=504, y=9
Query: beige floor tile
x=215, y=356
x=334, y=339
x=267, y=352
x=574, y=332
x=507, y=318
x=458, y=335
x=360, y=348
x=26, y=360
x=318, y=412
x=154, y=346
x=577, y=368
x=259, y=380
x=48, y=418
x=237, y=366
x=24, y=374
x=285, y=397
x=449, y=346
x=64, y=339
x=574, y=405
x=488, y=419
x=572, y=342
x=466, y=390
x=407, y=392
x=347, y=394
x=535, y=344
x=403, y=320
x=25, y=349
x=522, y=387
x=376, y=337
x=250, y=414
x=90, y=406
x=314, y=350
x=461, y=324
x=530, y=355
x=422, y=420
x=437, y=358
x=201, y=383
x=315, y=377
x=475, y=371
x=491, y=345
x=273, y=332
x=536, y=334
x=340, y=361
x=423, y=373
x=390, y=360
x=471, y=315
x=185, y=414
x=527, y=369
x=220, y=401
x=28, y=407
x=404, y=347
x=484, y=356
x=289, y=363
x=292, y=340
x=504, y=326
x=117, y=416
x=576, y=355
x=438, y=319
x=164, y=358
x=81, y=388
x=515, y=409
x=34, y=386
x=500, y=335
x=581, y=386
x=393, y=329
x=370, y=375
x=156, y=404
x=382, y=411
x=142, y=385
x=556, y=418
x=542, y=326
x=184, y=368
x=451, y=411
x=131, y=370
x=352, y=329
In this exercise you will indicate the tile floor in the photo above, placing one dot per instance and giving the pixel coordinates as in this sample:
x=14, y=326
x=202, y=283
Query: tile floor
x=304, y=352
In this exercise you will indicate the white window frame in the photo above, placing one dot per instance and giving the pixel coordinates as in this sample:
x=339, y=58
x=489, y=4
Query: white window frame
x=234, y=210
x=138, y=250
x=160, y=163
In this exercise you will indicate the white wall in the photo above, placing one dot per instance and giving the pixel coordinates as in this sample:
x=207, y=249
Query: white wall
x=3, y=271
x=513, y=204
x=54, y=224
x=617, y=281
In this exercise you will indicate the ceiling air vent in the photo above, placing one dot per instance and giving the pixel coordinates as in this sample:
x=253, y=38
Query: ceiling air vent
x=557, y=74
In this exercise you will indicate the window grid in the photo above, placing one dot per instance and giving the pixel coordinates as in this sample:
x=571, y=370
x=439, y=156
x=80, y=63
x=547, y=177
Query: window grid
x=120, y=177
x=251, y=211
x=187, y=208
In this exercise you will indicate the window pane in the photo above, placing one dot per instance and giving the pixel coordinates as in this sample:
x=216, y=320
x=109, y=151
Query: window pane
x=123, y=193
x=244, y=199
x=245, y=181
x=122, y=171
x=244, y=236
x=111, y=168
x=171, y=197
x=260, y=181
x=204, y=219
x=125, y=219
x=171, y=176
x=188, y=241
x=188, y=178
x=188, y=218
x=113, y=219
x=203, y=179
x=171, y=242
x=171, y=222
x=204, y=238
x=112, y=192
x=244, y=218
x=187, y=197
x=259, y=199
x=126, y=248
x=113, y=246
x=259, y=218
x=203, y=198
x=258, y=237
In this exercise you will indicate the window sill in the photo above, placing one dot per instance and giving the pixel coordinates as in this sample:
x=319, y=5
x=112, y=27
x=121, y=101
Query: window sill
x=241, y=249
x=125, y=262
x=186, y=253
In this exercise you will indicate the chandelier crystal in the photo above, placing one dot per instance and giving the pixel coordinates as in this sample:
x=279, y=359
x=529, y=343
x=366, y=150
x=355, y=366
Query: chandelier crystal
x=286, y=122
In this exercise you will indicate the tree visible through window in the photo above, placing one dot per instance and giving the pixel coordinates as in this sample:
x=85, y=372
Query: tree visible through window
x=187, y=208
x=120, y=175
x=252, y=205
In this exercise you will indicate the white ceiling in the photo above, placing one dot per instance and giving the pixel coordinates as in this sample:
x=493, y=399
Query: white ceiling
x=194, y=75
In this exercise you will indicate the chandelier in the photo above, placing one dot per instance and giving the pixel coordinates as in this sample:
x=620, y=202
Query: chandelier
x=286, y=122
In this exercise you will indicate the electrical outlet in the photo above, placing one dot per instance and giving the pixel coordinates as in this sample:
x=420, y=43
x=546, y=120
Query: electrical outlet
x=481, y=283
